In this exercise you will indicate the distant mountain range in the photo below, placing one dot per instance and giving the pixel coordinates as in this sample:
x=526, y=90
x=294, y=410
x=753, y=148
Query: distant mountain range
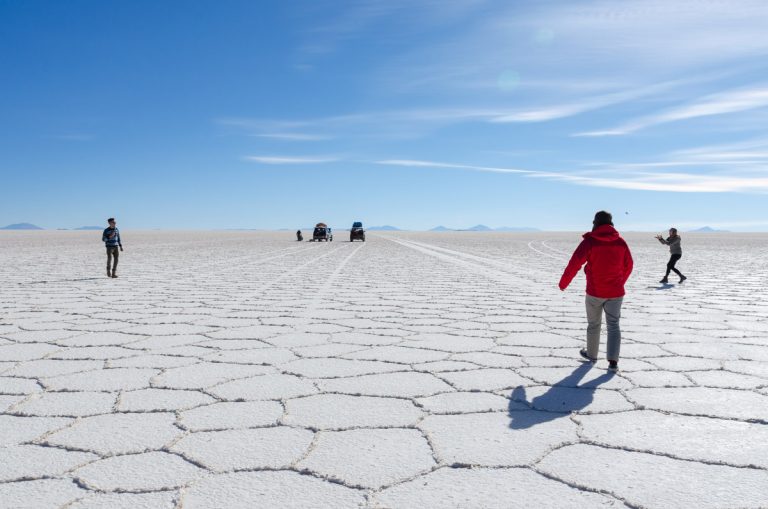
x=385, y=228
x=484, y=228
x=707, y=229
x=90, y=228
x=21, y=226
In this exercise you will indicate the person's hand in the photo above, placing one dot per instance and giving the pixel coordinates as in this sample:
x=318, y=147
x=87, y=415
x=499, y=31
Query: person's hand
x=121, y=248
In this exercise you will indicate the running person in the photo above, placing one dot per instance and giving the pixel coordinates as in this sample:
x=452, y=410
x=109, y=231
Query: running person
x=675, y=251
x=609, y=264
x=111, y=239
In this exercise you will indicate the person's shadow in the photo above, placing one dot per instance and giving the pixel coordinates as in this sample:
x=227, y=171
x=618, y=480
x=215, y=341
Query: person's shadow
x=564, y=397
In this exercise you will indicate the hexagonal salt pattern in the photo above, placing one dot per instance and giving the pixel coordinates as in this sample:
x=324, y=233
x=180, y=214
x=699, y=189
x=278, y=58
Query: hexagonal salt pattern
x=482, y=488
x=241, y=449
x=270, y=489
x=119, y=433
x=151, y=471
x=159, y=500
x=370, y=458
x=247, y=370
x=650, y=480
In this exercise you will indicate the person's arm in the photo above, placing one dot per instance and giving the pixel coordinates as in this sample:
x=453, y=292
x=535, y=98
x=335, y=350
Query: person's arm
x=661, y=239
x=104, y=236
x=578, y=259
x=628, y=264
x=119, y=241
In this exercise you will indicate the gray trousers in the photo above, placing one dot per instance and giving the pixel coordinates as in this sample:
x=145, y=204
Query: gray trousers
x=113, y=253
x=595, y=308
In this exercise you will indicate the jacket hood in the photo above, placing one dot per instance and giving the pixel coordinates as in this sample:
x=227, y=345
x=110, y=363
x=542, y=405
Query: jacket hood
x=603, y=232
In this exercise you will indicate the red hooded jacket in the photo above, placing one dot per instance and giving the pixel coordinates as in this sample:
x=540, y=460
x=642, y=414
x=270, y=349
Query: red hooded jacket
x=609, y=263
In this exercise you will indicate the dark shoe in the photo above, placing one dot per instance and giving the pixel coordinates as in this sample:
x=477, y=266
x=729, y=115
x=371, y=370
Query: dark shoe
x=114, y=275
x=682, y=278
x=664, y=281
x=109, y=274
x=583, y=353
x=613, y=366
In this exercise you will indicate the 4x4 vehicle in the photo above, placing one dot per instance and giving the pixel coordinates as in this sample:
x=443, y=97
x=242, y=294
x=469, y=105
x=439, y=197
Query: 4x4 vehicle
x=357, y=232
x=322, y=232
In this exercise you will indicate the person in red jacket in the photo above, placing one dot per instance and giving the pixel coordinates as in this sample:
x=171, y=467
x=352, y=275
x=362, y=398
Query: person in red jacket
x=609, y=264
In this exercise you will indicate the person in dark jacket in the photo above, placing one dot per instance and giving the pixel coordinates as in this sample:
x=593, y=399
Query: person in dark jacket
x=299, y=236
x=609, y=264
x=111, y=239
x=675, y=253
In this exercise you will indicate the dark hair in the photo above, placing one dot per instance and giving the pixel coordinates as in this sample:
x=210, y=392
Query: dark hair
x=602, y=218
x=674, y=229
x=111, y=219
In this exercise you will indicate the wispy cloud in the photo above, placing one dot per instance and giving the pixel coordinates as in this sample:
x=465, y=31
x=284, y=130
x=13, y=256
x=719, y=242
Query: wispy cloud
x=590, y=103
x=389, y=18
x=404, y=123
x=673, y=182
x=593, y=41
x=290, y=160
x=716, y=104
x=618, y=177
x=436, y=164
x=755, y=148
x=293, y=136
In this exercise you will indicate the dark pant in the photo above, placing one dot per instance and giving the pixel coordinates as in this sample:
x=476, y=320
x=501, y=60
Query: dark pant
x=112, y=252
x=671, y=265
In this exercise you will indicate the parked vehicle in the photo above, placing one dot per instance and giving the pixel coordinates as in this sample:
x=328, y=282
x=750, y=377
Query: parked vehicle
x=322, y=232
x=357, y=232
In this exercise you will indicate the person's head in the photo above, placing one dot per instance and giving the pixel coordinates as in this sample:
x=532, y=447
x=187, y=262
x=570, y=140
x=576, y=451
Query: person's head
x=111, y=222
x=673, y=232
x=602, y=218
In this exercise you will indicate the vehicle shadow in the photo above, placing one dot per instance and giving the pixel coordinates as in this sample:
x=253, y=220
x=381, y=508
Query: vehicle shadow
x=562, y=398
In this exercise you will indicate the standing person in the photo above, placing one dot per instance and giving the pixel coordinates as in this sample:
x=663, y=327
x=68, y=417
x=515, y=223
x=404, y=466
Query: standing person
x=675, y=252
x=609, y=264
x=111, y=238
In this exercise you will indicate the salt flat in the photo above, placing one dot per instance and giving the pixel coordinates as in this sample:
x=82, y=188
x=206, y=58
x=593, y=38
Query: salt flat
x=244, y=369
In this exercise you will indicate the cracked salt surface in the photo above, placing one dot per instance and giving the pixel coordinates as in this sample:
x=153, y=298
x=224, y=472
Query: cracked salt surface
x=246, y=449
x=419, y=370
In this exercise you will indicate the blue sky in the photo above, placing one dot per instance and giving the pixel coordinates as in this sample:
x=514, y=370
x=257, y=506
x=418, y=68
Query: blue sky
x=272, y=114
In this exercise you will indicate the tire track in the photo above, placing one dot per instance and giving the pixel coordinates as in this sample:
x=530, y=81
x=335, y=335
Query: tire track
x=289, y=273
x=548, y=255
x=499, y=273
x=324, y=289
x=564, y=253
x=230, y=264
